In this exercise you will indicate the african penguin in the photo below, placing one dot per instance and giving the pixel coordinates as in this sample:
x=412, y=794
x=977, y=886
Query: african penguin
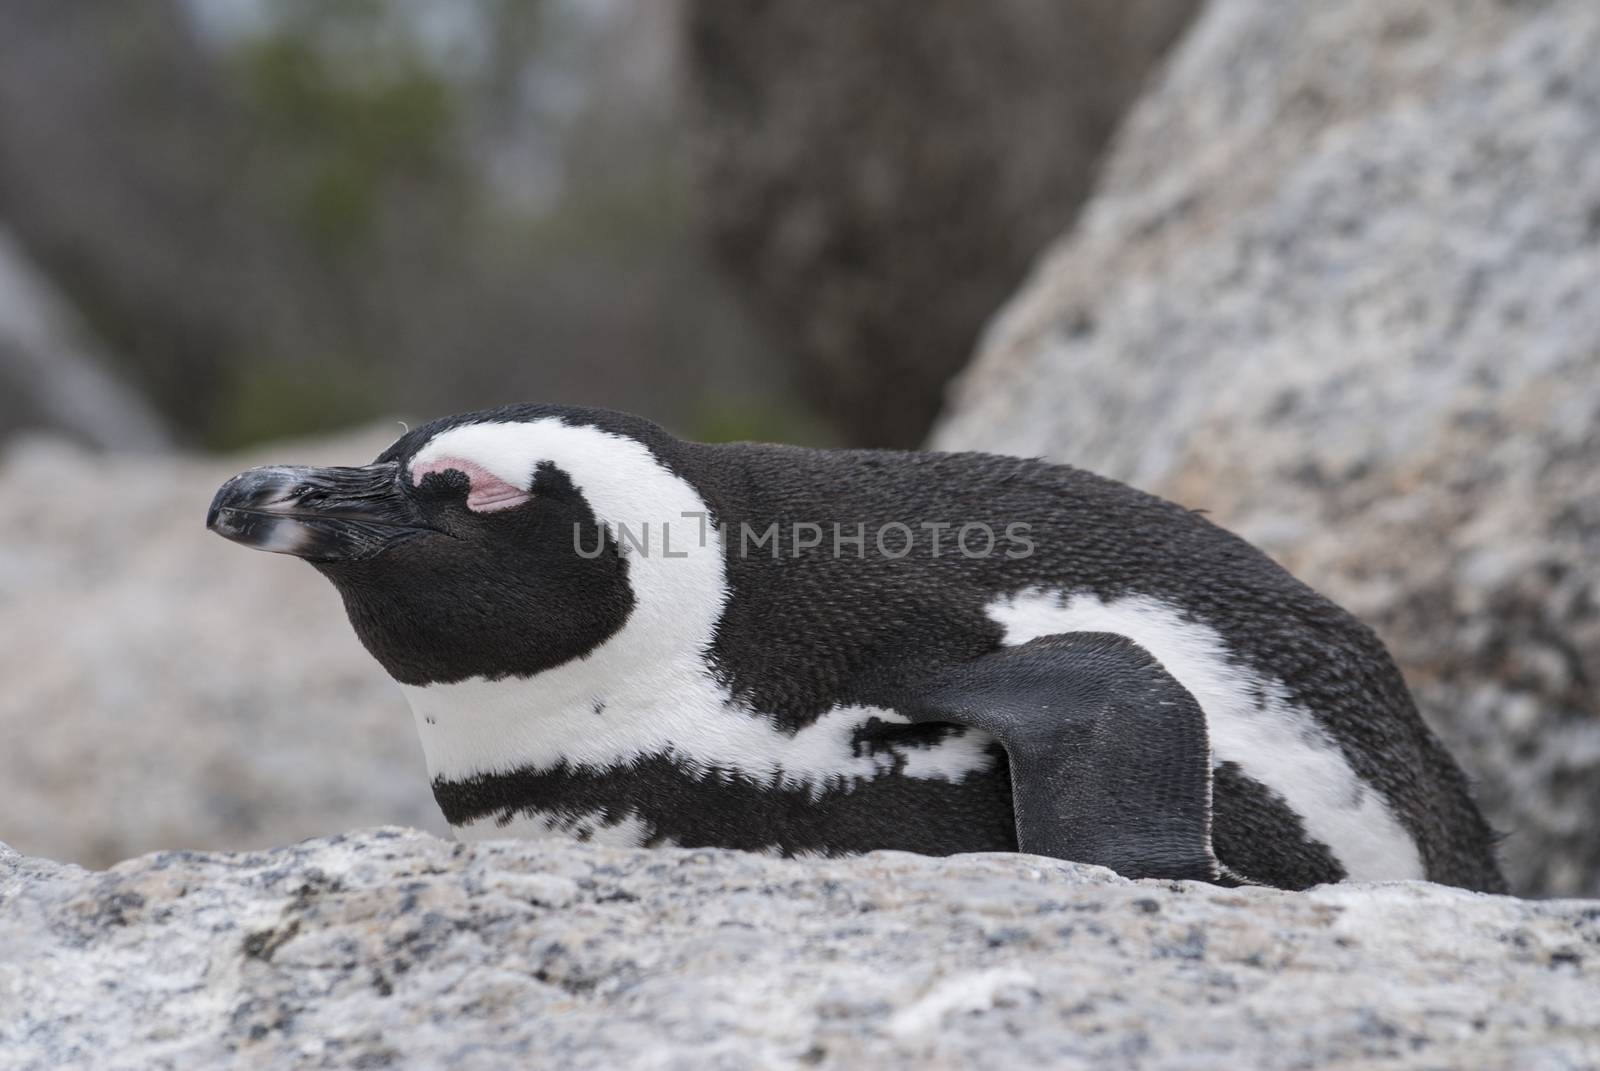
x=611, y=634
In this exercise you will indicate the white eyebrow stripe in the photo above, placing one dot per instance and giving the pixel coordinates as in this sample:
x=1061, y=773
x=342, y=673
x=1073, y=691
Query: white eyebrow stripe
x=677, y=600
x=656, y=692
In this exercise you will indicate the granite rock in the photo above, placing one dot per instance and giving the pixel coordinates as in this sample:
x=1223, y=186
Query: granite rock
x=1338, y=288
x=390, y=947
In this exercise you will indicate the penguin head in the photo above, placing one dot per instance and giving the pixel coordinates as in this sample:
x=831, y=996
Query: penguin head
x=484, y=545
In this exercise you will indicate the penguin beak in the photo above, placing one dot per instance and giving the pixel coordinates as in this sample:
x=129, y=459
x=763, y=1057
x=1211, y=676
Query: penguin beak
x=336, y=514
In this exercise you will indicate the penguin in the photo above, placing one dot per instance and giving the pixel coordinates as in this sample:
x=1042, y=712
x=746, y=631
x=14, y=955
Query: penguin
x=611, y=634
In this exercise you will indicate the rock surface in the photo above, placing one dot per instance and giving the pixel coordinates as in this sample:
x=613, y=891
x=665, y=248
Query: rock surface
x=166, y=689
x=390, y=947
x=1339, y=288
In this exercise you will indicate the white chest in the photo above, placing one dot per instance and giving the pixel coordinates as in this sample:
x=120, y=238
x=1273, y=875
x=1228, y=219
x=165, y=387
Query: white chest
x=580, y=716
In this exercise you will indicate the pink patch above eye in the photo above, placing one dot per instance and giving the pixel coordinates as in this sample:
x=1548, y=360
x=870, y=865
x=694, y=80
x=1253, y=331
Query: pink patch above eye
x=488, y=492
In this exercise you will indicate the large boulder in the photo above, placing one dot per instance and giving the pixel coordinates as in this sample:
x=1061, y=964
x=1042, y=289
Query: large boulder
x=1339, y=288
x=391, y=947
x=876, y=178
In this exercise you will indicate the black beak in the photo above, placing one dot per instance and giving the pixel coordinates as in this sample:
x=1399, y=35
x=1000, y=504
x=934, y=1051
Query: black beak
x=323, y=515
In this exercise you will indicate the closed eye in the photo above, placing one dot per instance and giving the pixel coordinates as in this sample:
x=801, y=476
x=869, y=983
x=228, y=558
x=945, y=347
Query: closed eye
x=486, y=492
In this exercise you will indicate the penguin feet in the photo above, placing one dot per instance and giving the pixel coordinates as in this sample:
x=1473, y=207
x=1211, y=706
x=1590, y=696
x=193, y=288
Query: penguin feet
x=1110, y=762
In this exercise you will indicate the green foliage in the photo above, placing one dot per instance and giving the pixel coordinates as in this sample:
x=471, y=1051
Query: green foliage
x=620, y=216
x=346, y=129
x=411, y=276
x=274, y=399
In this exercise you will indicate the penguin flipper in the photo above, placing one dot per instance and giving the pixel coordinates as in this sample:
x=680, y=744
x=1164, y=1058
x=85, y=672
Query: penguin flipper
x=1110, y=760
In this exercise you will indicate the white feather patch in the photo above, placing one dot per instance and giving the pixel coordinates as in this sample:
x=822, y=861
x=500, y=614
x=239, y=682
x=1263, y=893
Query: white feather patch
x=646, y=690
x=629, y=831
x=1270, y=739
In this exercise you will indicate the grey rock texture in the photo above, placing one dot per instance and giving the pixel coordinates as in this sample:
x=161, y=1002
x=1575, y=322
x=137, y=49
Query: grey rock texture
x=392, y=948
x=1339, y=288
x=876, y=181
x=165, y=689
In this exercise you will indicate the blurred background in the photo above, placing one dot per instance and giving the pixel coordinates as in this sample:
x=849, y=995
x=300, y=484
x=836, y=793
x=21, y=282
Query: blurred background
x=277, y=218
x=1329, y=271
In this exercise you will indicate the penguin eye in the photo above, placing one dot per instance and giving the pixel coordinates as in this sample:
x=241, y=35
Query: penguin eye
x=486, y=492
x=446, y=482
